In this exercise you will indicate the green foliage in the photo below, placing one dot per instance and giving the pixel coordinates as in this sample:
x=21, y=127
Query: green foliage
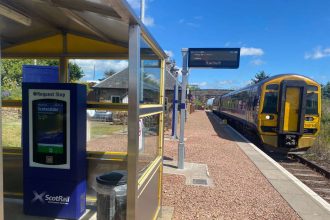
x=259, y=76
x=198, y=103
x=321, y=148
x=11, y=71
x=193, y=87
x=76, y=73
x=109, y=73
x=326, y=91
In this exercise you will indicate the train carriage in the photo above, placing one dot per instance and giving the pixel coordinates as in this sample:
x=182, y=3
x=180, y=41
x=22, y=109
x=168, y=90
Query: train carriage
x=284, y=110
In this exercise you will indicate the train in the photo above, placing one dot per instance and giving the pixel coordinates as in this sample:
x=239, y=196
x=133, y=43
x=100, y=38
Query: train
x=284, y=110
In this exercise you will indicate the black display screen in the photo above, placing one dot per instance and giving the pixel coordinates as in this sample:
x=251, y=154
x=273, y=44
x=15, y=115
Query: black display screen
x=223, y=58
x=49, y=131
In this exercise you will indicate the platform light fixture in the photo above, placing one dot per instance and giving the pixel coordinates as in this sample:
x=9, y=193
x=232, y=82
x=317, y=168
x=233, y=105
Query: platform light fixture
x=15, y=15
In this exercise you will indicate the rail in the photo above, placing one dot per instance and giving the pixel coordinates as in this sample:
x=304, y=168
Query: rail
x=90, y=105
x=311, y=165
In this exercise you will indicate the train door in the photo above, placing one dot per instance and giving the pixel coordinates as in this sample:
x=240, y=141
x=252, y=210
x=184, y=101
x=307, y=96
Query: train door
x=292, y=112
x=292, y=109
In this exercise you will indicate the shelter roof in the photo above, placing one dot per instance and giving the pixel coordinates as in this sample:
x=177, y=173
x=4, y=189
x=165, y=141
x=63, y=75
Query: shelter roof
x=51, y=28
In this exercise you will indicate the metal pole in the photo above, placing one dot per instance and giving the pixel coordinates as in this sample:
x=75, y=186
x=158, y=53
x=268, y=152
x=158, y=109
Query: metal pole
x=1, y=156
x=181, y=151
x=175, y=107
x=133, y=118
x=142, y=10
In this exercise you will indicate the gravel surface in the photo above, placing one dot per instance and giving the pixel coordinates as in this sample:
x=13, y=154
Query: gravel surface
x=240, y=192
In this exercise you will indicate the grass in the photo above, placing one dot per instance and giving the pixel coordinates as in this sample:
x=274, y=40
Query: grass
x=11, y=132
x=11, y=129
x=321, y=148
x=101, y=129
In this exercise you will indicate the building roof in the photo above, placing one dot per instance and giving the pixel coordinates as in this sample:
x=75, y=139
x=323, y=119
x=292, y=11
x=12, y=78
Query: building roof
x=119, y=80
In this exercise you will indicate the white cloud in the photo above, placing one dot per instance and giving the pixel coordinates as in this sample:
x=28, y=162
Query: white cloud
x=318, y=53
x=257, y=62
x=233, y=44
x=193, y=24
x=100, y=66
x=104, y=65
x=251, y=51
x=149, y=21
x=136, y=4
x=169, y=53
x=225, y=82
x=199, y=84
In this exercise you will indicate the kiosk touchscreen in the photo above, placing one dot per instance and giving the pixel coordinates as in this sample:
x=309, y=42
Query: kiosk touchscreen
x=49, y=131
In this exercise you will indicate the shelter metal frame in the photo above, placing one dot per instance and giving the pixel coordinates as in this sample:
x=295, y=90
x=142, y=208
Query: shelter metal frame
x=118, y=13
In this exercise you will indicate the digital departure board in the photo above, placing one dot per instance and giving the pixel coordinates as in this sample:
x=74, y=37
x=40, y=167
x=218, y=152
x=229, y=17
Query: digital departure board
x=222, y=58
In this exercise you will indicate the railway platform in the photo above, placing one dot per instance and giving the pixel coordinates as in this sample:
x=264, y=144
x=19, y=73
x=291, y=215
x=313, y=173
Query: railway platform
x=227, y=177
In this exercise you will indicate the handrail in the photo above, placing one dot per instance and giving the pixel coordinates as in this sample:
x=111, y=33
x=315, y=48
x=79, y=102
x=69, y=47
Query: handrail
x=90, y=105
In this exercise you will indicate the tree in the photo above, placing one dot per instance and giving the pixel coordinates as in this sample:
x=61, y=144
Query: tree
x=259, y=76
x=75, y=71
x=107, y=74
x=11, y=71
x=194, y=87
x=326, y=91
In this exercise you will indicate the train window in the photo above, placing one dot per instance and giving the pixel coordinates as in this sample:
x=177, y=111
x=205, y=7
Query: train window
x=311, y=104
x=270, y=103
x=311, y=88
x=272, y=87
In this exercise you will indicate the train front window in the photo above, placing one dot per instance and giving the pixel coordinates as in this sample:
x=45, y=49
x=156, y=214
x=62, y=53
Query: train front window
x=270, y=103
x=311, y=104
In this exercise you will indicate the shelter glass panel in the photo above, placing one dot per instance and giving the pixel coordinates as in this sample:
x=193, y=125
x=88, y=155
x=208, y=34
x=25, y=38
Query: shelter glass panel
x=150, y=75
x=107, y=131
x=149, y=141
x=104, y=79
x=11, y=127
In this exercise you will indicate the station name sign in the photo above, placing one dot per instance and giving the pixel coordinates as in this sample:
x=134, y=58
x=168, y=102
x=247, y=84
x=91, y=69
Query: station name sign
x=219, y=58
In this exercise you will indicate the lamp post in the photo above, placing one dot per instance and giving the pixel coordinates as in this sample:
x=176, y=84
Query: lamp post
x=181, y=147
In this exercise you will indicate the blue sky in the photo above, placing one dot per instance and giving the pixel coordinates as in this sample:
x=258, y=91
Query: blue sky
x=277, y=36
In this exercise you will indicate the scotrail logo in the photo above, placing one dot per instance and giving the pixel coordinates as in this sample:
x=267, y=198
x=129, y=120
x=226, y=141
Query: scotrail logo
x=43, y=197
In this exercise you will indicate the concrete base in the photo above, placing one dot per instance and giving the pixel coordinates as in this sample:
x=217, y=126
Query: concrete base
x=166, y=213
x=14, y=211
x=195, y=173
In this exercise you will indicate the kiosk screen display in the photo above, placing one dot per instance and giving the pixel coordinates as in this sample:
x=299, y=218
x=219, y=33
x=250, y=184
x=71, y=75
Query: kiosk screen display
x=49, y=131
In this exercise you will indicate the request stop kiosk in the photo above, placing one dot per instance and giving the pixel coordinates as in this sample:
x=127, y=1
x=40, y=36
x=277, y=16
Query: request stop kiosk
x=83, y=30
x=54, y=149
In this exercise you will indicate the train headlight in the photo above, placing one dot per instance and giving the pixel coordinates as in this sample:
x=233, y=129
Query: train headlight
x=309, y=119
x=269, y=117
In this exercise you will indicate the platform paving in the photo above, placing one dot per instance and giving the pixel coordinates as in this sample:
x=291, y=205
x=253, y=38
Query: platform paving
x=261, y=189
x=302, y=199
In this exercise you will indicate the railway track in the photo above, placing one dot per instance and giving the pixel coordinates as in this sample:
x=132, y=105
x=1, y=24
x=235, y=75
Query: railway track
x=311, y=174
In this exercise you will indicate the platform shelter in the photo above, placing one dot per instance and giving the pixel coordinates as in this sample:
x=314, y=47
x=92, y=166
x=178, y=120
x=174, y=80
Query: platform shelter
x=107, y=30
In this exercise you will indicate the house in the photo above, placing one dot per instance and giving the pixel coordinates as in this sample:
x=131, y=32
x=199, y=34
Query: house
x=114, y=89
